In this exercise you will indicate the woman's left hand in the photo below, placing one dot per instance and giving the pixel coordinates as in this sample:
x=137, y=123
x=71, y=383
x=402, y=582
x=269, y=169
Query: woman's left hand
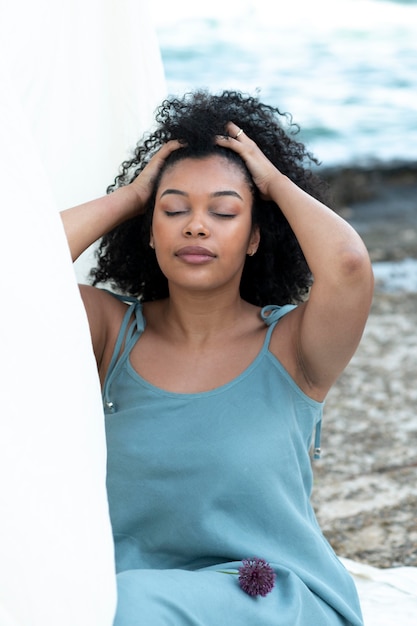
x=262, y=170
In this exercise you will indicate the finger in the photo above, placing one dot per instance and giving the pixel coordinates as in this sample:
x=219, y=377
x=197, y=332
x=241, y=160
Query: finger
x=232, y=137
x=157, y=160
x=170, y=146
x=225, y=141
x=234, y=131
x=160, y=156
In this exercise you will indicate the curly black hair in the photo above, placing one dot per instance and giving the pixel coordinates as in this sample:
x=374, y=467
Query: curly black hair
x=278, y=273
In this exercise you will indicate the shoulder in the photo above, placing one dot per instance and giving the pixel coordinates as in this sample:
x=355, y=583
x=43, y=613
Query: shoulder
x=285, y=323
x=285, y=346
x=102, y=307
x=282, y=323
x=105, y=313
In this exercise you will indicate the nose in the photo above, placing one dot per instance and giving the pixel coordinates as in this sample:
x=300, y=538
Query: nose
x=196, y=227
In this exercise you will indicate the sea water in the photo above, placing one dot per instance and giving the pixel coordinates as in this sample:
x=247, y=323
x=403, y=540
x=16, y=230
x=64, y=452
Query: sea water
x=345, y=69
x=398, y=277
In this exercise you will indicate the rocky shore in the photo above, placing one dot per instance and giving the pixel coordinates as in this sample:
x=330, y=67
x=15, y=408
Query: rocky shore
x=380, y=201
x=365, y=491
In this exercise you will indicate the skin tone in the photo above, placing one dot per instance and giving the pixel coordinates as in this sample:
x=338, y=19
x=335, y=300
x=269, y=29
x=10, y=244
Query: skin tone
x=204, y=334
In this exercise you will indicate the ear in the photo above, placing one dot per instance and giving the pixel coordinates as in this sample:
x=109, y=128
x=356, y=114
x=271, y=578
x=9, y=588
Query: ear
x=254, y=240
x=151, y=241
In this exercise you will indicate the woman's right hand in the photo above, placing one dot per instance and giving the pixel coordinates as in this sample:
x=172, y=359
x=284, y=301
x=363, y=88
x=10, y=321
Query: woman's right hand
x=143, y=184
x=86, y=223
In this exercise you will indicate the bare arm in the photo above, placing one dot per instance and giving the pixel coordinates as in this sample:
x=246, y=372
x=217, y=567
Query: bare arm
x=325, y=331
x=330, y=324
x=86, y=223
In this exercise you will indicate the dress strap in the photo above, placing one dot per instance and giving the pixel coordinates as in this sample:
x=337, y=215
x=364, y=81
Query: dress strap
x=271, y=314
x=133, y=325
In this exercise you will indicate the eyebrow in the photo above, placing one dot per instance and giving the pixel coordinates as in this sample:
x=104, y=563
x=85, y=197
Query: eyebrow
x=215, y=194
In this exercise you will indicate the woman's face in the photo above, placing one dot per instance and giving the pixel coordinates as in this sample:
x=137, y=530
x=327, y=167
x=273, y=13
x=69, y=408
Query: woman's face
x=202, y=223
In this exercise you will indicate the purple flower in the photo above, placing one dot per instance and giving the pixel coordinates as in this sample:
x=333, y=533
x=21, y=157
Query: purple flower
x=256, y=577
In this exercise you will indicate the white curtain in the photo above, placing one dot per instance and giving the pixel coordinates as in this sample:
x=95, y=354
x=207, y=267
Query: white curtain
x=79, y=83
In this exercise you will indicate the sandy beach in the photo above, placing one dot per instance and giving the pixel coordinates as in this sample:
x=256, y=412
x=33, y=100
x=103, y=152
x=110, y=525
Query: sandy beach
x=365, y=491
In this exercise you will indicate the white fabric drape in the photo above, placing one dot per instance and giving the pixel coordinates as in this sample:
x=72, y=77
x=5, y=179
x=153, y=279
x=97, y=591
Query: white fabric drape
x=388, y=596
x=79, y=83
x=56, y=553
x=88, y=74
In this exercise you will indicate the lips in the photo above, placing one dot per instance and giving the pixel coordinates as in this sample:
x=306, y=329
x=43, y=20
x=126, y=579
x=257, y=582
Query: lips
x=195, y=254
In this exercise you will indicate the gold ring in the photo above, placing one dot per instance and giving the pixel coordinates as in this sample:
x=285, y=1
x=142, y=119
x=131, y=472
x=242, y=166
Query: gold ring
x=239, y=133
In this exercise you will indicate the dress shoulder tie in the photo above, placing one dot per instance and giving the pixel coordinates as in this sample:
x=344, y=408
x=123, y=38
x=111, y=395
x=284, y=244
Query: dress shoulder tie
x=132, y=327
x=273, y=312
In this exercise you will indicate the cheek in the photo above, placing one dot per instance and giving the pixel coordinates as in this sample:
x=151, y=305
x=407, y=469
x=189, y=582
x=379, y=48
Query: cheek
x=244, y=233
x=161, y=230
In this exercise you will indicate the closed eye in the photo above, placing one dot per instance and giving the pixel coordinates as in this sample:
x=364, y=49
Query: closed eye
x=215, y=213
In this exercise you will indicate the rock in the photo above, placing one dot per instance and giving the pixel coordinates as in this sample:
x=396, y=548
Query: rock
x=380, y=202
x=356, y=184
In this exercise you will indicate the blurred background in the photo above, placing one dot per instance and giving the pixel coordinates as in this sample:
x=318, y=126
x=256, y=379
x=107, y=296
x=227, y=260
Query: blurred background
x=345, y=69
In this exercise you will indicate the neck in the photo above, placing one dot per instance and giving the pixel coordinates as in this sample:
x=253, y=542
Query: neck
x=196, y=317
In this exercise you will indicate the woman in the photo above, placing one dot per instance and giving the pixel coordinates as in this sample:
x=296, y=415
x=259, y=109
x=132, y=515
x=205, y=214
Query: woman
x=243, y=299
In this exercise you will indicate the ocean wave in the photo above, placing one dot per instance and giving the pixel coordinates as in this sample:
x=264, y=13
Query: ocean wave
x=347, y=71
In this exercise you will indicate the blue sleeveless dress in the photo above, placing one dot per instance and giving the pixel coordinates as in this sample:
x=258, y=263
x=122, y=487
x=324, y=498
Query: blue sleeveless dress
x=197, y=482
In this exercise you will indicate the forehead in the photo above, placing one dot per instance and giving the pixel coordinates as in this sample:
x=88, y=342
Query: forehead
x=211, y=171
